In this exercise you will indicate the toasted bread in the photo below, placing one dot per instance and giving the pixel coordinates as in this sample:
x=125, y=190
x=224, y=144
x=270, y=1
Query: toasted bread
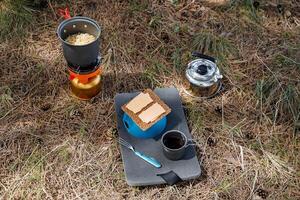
x=145, y=111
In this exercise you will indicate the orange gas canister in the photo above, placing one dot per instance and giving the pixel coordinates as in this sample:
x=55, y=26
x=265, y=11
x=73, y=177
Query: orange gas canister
x=85, y=86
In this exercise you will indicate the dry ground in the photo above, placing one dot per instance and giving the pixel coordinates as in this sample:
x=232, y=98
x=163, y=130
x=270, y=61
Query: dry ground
x=56, y=147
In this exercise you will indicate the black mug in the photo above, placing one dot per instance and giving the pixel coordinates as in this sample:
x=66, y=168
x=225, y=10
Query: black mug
x=174, y=144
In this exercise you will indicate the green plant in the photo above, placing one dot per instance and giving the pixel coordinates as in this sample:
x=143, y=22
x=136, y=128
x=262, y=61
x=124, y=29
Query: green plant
x=282, y=61
x=174, y=2
x=290, y=56
x=282, y=102
x=218, y=46
x=180, y=28
x=176, y=28
x=195, y=116
x=15, y=16
x=6, y=100
x=64, y=154
x=138, y=6
x=290, y=98
x=34, y=165
x=155, y=72
x=155, y=22
x=176, y=58
x=83, y=130
x=248, y=8
x=210, y=43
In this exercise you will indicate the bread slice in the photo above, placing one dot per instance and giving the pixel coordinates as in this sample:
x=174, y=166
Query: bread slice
x=147, y=111
x=152, y=113
x=139, y=102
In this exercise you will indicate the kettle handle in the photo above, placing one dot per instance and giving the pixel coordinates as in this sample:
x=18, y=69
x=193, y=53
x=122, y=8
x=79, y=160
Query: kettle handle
x=200, y=55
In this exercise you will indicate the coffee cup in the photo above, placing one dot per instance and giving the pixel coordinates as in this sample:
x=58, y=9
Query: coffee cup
x=174, y=144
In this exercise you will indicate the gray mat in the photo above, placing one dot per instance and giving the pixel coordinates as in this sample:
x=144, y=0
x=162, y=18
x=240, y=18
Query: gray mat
x=139, y=172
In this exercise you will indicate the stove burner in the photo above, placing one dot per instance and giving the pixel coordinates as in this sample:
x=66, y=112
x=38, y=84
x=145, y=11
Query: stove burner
x=86, y=70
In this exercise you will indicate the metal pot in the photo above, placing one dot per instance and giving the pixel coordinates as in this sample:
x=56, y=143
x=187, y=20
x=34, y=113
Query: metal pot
x=203, y=75
x=80, y=55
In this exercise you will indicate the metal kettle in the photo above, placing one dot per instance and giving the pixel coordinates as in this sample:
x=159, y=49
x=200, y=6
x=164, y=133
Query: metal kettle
x=203, y=75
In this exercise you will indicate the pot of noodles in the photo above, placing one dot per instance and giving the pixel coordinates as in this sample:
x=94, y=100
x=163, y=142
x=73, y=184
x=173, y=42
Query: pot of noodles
x=80, y=41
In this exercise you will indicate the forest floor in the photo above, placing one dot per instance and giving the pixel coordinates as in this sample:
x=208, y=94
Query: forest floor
x=55, y=146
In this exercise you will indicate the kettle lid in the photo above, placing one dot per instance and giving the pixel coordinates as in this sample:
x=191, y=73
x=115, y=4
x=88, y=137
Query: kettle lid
x=203, y=72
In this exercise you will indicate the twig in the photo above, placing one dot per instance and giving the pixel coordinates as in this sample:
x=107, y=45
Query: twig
x=5, y=188
x=253, y=185
x=50, y=5
x=242, y=157
x=223, y=112
x=186, y=6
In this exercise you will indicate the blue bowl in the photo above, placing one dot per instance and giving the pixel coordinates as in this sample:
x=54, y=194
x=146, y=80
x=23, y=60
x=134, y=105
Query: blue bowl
x=134, y=130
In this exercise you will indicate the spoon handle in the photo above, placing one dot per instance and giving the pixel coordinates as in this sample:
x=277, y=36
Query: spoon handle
x=148, y=159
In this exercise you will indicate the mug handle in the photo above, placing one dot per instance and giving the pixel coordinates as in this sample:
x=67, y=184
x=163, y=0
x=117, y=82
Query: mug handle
x=191, y=142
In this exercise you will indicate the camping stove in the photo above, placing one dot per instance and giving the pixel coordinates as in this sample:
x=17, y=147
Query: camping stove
x=85, y=81
x=83, y=60
x=203, y=76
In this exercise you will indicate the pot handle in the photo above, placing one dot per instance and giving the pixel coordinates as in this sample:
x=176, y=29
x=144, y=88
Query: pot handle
x=65, y=13
x=200, y=55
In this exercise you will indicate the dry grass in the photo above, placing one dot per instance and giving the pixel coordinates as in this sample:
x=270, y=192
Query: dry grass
x=56, y=147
